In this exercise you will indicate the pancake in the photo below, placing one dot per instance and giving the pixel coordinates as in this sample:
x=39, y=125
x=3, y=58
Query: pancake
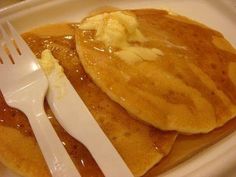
x=170, y=72
x=140, y=145
x=185, y=147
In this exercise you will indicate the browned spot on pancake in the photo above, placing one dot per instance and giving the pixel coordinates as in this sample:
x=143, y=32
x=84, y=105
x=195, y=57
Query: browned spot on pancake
x=232, y=72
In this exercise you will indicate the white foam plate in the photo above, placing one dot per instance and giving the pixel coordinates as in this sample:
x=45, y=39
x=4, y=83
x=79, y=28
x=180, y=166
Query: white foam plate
x=217, y=161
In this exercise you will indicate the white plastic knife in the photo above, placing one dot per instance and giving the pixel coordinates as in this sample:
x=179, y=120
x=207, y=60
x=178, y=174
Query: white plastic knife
x=75, y=118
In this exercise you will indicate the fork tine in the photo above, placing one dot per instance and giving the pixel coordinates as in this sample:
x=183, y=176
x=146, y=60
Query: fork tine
x=9, y=43
x=21, y=44
x=3, y=55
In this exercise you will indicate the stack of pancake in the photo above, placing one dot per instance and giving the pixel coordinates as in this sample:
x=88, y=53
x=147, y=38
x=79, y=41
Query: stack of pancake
x=169, y=77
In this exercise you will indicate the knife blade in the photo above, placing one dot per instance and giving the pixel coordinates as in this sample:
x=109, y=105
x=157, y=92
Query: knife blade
x=75, y=118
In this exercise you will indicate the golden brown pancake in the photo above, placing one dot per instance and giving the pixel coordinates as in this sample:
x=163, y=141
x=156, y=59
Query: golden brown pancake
x=19, y=150
x=140, y=145
x=189, y=88
x=187, y=146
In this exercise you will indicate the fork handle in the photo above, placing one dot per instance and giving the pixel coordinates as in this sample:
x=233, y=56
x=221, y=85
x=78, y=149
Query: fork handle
x=57, y=158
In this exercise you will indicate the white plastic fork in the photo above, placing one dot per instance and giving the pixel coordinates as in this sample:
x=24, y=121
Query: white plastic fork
x=24, y=85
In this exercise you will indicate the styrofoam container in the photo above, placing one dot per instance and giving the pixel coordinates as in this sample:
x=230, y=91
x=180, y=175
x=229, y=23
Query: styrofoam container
x=217, y=161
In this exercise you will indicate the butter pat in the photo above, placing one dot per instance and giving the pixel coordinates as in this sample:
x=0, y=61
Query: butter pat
x=50, y=64
x=134, y=54
x=115, y=29
x=120, y=30
x=54, y=73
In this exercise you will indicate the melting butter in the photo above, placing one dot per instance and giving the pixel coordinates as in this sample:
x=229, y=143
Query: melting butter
x=54, y=72
x=135, y=54
x=222, y=44
x=114, y=29
x=50, y=64
x=119, y=29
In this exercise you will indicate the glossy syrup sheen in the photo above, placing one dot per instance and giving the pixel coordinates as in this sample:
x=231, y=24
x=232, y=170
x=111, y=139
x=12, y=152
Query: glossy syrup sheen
x=189, y=87
x=13, y=118
x=184, y=147
x=63, y=48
